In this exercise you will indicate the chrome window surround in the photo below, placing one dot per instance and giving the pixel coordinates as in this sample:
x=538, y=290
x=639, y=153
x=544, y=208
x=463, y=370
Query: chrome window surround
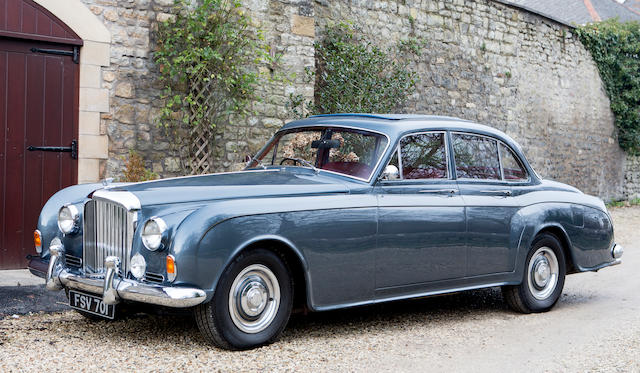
x=518, y=161
x=446, y=148
x=498, y=142
x=262, y=151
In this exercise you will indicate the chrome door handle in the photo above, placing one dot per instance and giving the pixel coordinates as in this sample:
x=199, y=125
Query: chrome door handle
x=438, y=191
x=506, y=193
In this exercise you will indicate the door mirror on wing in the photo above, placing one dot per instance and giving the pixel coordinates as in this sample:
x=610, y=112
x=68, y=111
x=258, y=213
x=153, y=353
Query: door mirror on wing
x=390, y=173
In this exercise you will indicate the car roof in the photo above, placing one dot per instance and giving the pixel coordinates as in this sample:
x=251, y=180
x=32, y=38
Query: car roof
x=396, y=125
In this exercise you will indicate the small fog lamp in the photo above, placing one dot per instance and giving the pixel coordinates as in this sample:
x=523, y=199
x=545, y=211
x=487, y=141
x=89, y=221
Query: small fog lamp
x=138, y=266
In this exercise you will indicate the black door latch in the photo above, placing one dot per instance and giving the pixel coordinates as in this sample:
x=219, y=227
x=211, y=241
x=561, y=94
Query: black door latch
x=73, y=149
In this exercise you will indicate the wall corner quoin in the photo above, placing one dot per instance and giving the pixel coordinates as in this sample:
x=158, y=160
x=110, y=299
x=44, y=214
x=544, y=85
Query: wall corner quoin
x=95, y=53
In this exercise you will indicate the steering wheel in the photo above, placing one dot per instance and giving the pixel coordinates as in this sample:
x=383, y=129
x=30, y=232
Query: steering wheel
x=295, y=160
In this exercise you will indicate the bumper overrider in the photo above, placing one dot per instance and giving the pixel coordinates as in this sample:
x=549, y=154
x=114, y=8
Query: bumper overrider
x=113, y=288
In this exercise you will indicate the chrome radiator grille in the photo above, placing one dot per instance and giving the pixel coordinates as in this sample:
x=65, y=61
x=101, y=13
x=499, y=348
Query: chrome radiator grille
x=108, y=231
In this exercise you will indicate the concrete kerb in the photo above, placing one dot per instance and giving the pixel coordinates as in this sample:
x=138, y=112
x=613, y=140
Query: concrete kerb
x=19, y=277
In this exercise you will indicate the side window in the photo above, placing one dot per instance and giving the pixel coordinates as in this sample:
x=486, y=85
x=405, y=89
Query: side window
x=476, y=157
x=424, y=156
x=511, y=167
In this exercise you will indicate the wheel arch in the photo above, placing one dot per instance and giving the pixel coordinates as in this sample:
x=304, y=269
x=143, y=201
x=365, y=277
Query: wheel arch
x=562, y=236
x=294, y=260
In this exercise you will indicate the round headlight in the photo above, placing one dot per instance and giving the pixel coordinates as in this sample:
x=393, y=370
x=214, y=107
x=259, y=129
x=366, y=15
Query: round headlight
x=138, y=266
x=152, y=233
x=68, y=219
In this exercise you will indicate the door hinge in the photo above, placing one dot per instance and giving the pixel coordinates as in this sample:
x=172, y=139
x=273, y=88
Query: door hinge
x=73, y=149
x=75, y=53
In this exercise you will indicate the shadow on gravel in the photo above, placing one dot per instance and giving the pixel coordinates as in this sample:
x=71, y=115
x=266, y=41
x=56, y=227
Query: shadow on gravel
x=400, y=314
x=20, y=300
x=380, y=318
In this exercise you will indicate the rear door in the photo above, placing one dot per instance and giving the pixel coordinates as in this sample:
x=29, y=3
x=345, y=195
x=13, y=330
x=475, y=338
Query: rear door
x=490, y=206
x=421, y=222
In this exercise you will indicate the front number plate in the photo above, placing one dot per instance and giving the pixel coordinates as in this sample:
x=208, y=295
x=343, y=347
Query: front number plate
x=91, y=304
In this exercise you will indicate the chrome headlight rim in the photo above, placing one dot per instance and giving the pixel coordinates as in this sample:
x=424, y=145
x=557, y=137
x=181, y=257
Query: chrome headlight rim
x=154, y=241
x=74, y=214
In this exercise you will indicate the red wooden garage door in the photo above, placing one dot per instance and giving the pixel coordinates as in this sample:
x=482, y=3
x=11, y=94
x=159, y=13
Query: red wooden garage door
x=38, y=113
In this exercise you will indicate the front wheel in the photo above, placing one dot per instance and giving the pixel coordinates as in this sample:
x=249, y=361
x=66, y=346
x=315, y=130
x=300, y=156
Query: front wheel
x=251, y=304
x=543, y=278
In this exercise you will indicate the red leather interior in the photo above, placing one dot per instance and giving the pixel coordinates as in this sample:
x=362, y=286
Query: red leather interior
x=356, y=169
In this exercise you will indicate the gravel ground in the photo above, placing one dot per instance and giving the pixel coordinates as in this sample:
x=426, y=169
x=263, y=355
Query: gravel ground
x=595, y=327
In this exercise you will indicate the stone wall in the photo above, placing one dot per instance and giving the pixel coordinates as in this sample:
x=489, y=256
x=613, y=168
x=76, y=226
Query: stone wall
x=507, y=68
x=131, y=79
x=480, y=60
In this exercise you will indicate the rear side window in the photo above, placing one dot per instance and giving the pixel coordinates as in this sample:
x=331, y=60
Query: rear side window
x=511, y=167
x=476, y=157
x=424, y=156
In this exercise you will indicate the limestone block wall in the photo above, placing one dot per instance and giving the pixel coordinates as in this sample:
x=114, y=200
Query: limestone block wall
x=507, y=68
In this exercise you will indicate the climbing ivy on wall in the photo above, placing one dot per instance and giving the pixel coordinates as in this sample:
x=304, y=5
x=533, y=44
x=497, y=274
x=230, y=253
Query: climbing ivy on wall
x=207, y=57
x=353, y=75
x=615, y=47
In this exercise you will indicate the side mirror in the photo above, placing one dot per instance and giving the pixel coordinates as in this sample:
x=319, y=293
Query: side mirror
x=390, y=173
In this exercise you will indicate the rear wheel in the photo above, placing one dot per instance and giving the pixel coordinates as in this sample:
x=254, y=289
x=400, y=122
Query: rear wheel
x=543, y=277
x=251, y=304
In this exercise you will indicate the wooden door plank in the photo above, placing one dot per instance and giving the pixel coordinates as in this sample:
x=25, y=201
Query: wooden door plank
x=15, y=158
x=52, y=133
x=35, y=136
x=3, y=152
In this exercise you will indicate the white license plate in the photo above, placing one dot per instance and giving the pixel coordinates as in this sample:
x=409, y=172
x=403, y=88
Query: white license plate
x=91, y=304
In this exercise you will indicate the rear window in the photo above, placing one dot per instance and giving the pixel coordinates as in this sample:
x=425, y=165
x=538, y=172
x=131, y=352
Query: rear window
x=512, y=169
x=476, y=157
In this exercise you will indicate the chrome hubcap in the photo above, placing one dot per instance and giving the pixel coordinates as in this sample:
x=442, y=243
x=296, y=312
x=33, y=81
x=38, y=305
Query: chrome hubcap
x=254, y=298
x=543, y=273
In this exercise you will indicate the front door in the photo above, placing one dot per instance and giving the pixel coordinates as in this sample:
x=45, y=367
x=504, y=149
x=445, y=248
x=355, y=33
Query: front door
x=38, y=101
x=421, y=220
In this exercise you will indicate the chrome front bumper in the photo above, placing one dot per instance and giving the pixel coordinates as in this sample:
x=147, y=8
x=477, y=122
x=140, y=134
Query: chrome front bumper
x=114, y=289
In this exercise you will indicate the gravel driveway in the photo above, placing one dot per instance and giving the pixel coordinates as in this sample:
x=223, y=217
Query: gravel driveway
x=595, y=327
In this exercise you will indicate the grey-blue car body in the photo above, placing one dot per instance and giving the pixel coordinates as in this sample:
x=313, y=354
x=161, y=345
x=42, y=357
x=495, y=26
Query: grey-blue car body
x=342, y=240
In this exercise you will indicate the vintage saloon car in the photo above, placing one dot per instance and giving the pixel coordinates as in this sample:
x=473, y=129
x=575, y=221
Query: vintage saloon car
x=335, y=211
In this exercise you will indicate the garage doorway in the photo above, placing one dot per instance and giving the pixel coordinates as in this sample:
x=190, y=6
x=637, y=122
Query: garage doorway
x=39, y=78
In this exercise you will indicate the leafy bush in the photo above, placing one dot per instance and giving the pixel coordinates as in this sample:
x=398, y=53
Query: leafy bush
x=355, y=76
x=135, y=171
x=615, y=47
x=204, y=55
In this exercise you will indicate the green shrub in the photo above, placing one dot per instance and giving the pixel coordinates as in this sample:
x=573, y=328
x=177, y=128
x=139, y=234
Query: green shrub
x=353, y=75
